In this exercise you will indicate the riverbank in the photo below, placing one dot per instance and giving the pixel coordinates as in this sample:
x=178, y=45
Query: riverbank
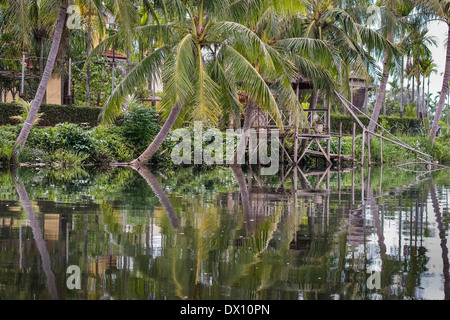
x=68, y=145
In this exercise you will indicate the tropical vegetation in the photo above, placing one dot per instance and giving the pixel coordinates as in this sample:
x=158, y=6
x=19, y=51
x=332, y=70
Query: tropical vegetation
x=217, y=61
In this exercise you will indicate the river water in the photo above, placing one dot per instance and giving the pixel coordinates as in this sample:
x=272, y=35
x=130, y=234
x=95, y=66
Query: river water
x=222, y=233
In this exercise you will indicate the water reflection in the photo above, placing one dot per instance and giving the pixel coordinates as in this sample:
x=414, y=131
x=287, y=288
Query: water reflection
x=225, y=234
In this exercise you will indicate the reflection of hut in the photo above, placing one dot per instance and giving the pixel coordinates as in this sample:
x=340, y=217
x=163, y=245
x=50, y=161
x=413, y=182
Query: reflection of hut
x=359, y=89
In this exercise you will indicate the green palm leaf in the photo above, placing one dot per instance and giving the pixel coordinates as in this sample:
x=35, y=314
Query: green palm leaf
x=147, y=67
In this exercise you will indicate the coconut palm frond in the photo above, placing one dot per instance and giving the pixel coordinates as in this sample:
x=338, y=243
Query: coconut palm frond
x=147, y=67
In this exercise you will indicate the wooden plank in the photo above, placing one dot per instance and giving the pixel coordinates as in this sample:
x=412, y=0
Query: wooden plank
x=354, y=142
x=349, y=109
x=315, y=110
x=400, y=144
x=312, y=135
x=323, y=151
x=340, y=143
x=304, y=152
x=319, y=154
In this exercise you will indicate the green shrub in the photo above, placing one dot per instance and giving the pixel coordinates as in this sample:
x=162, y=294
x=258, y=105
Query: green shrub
x=33, y=155
x=7, y=138
x=396, y=125
x=112, y=144
x=52, y=114
x=140, y=125
x=62, y=136
x=8, y=110
x=61, y=159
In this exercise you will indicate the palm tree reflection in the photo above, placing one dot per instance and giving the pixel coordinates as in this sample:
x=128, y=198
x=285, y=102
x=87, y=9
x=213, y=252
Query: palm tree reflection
x=159, y=192
x=40, y=242
x=438, y=215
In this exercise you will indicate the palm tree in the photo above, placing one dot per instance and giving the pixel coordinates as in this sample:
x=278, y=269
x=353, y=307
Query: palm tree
x=41, y=29
x=418, y=49
x=204, y=59
x=49, y=5
x=381, y=93
x=91, y=9
x=32, y=114
x=428, y=67
x=440, y=10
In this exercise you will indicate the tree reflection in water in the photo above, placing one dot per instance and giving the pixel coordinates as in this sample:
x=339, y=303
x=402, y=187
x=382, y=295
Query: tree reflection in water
x=221, y=234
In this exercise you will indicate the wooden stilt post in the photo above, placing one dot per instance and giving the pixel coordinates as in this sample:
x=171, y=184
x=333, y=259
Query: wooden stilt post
x=381, y=151
x=369, y=160
x=296, y=144
x=329, y=129
x=363, y=146
x=353, y=143
x=340, y=143
x=353, y=185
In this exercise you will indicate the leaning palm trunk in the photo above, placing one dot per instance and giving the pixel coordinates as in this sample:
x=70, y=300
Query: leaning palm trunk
x=32, y=114
x=381, y=94
x=159, y=192
x=40, y=242
x=145, y=157
x=88, y=53
x=240, y=150
x=441, y=103
x=441, y=228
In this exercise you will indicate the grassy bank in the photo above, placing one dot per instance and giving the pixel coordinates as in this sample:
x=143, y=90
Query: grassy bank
x=392, y=153
x=69, y=144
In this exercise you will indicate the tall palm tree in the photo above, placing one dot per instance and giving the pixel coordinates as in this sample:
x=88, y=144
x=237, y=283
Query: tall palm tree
x=390, y=26
x=205, y=58
x=123, y=5
x=418, y=49
x=439, y=10
x=41, y=29
x=428, y=68
x=32, y=114
x=91, y=10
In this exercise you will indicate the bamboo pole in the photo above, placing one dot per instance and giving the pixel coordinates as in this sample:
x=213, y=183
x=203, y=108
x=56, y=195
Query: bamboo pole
x=363, y=145
x=353, y=143
x=369, y=156
x=329, y=128
x=340, y=143
x=399, y=144
x=381, y=151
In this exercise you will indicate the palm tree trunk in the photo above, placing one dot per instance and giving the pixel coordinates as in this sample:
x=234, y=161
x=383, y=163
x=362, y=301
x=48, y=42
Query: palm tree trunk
x=419, y=106
x=41, y=67
x=442, y=236
x=441, y=103
x=240, y=150
x=38, y=238
x=402, y=87
x=428, y=95
x=145, y=157
x=32, y=114
x=159, y=192
x=88, y=52
x=381, y=94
